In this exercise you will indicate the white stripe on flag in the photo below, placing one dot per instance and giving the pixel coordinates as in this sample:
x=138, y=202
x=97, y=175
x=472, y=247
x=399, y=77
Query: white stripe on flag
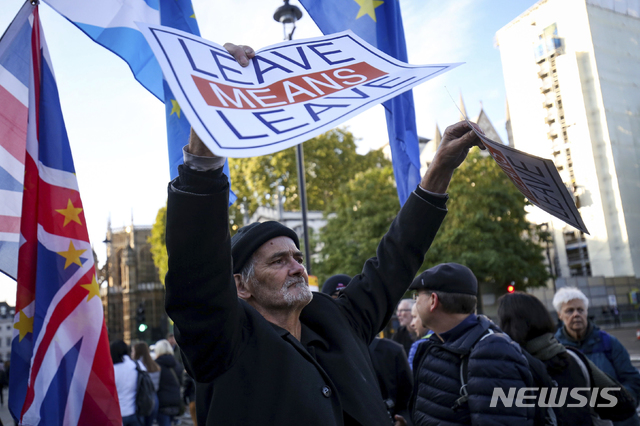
x=58, y=177
x=14, y=86
x=10, y=237
x=11, y=204
x=11, y=164
x=107, y=13
x=56, y=243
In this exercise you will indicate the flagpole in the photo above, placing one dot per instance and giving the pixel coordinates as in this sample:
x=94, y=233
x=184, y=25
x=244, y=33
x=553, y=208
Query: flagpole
x=288, y=14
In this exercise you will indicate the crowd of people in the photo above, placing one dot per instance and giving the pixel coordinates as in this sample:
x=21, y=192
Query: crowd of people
x=173, y=389
x=265, y=350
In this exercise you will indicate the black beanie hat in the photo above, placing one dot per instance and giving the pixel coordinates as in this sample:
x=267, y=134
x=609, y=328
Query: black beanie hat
x=447, y=278
x=335, y=283
x=249, y=238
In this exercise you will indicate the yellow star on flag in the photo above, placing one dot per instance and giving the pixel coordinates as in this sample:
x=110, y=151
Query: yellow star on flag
x=175, y=108
x=92, y=287
x=367, y=7
x=24, y=325
x=71, y=256
x=70, y=214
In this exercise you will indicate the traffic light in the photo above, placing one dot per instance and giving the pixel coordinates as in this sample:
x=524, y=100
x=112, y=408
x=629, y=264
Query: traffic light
x=141, y=318
x=511, y=288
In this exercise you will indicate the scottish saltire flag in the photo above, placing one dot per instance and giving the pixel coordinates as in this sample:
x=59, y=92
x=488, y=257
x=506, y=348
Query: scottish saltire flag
x=379, y=23
x=61, y=368
x=111, y=23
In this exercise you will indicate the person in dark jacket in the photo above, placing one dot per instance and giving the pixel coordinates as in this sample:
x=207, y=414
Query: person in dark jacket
x=268, y=351
x=446, y=301
x=603, y=349
x=388, y=357
x=525, y=319
x=169, y=396
x=405, y=335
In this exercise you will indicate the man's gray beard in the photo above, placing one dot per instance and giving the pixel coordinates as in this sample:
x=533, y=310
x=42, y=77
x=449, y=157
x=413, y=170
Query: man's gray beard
x=290, y=298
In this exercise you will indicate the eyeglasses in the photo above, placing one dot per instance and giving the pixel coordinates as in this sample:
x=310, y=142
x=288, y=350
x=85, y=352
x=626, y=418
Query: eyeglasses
x=403, y=310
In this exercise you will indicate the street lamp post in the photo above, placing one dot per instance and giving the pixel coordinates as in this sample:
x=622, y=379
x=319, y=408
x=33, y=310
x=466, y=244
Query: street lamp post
x=288, y=15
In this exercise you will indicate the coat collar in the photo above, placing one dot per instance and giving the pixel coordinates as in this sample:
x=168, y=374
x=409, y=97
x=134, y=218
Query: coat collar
x=308, y=338
x=462, y=337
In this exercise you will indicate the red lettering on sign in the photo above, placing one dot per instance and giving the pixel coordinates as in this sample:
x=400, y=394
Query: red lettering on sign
x=293, y=90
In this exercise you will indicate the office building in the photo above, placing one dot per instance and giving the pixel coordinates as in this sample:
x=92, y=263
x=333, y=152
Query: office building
x=572, y=76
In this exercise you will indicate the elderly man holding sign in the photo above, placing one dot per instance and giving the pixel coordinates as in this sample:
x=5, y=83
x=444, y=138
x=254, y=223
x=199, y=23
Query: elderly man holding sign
x=265, y=350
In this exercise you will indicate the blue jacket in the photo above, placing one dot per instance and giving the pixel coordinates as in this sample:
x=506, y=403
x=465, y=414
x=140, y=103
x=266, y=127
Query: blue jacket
x=495, y=361
x=608, y=354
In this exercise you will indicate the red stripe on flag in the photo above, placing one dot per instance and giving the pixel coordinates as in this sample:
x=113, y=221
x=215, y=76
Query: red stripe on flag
x=28, y=254
x=64, y=308
x=13, y=124
x=10, y=224
x=101, y=405
x=54, y=198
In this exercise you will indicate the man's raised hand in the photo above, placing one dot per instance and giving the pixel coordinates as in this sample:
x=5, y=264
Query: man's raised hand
x=457, y=140
x=242, y=54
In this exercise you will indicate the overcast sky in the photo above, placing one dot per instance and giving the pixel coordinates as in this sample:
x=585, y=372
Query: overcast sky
x=117, y=129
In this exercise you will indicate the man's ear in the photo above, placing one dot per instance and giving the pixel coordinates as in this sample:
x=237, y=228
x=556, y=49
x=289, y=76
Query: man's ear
x=243, y=291
x=435, y=302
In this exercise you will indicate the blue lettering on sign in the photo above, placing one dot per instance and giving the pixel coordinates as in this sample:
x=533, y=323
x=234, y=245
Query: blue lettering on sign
x=222, y=68
x=235, y=131
x=315, y=114
x=382, y=84
x=305, y=62
x=260, y=72
x=269, y=124
x=192, y=62
x=324, y=55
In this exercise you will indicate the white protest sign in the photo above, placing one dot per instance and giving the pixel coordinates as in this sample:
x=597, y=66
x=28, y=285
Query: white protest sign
x=538, y=180
x=289, y=93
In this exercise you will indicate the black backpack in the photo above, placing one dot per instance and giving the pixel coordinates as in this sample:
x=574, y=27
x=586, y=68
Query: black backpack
x=145, y=393
x=544, y=416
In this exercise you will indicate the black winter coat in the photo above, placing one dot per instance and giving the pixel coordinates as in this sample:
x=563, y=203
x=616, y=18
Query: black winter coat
x=393, y=373
x=169, y=388
x=495, y=361
x=258, y=373
x=404, y=337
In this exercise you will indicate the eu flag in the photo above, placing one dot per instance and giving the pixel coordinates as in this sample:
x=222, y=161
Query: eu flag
x=179, y=14
x=379, y=23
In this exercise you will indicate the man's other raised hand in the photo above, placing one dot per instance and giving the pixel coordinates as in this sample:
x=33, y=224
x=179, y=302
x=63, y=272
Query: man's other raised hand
x=457, y=140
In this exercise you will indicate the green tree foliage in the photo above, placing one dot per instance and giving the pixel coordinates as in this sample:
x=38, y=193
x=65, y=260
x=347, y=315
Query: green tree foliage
x=359, y=215
x=330, y=160
x=486, y=228
x=157, y=240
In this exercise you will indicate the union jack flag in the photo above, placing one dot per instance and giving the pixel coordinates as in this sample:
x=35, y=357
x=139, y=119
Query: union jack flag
x=61, y=369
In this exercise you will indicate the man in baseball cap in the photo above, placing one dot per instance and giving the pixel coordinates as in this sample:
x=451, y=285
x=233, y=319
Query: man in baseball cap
x=446, y=298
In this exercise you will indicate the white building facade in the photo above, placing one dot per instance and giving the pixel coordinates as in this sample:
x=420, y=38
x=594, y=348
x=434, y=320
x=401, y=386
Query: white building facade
x=572, y=76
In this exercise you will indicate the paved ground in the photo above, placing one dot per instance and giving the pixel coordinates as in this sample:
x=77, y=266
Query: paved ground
x=8, y=421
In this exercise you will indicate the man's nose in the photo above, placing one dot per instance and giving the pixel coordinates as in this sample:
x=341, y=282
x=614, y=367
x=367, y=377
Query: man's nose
x=296, y=269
